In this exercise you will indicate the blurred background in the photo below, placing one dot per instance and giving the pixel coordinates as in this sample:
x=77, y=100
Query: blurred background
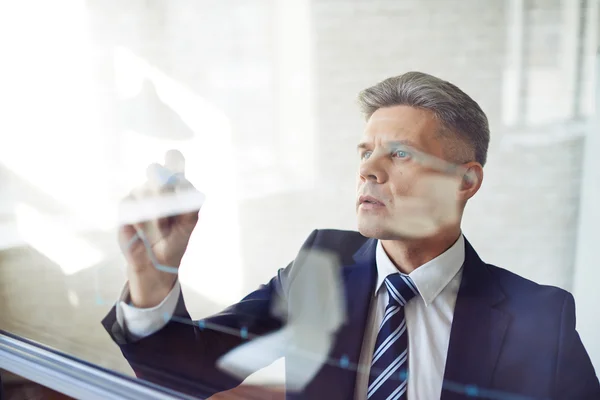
x=260, y=96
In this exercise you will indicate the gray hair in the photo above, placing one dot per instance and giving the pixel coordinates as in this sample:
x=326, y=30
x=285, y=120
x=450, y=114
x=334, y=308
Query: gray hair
x=456, y=111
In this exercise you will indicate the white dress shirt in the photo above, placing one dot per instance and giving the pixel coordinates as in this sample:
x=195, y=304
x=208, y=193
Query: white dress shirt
x=428, y=319
x=138, y=323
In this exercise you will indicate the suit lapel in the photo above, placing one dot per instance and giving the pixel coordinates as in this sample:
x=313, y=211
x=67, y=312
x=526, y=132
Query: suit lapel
x=477, y=331
x=337, y=379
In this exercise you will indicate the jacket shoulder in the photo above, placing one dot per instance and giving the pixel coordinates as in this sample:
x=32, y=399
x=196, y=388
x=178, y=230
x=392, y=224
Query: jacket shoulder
x=526, y=294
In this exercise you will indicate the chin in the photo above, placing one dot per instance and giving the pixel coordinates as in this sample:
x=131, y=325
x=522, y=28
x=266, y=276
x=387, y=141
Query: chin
x=373, y=230
x=383, y=231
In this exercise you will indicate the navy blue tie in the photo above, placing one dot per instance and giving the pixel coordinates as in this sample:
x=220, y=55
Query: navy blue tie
x=389, y=369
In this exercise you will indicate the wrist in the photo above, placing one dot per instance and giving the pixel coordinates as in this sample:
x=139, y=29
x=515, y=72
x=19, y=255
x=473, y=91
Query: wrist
x=148, y=290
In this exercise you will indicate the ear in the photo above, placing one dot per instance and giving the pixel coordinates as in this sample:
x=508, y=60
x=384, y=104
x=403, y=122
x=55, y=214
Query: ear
x=471, y=181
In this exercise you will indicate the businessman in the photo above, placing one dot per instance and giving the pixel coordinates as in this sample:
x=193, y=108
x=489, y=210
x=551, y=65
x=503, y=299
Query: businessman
x=426, y=317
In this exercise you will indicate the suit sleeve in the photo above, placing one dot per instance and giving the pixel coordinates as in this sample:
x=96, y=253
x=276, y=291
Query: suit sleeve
x=575, y=376
x=182, y=355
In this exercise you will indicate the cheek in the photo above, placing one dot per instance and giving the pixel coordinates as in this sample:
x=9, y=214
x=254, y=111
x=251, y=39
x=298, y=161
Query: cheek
x=400, y=185
x=405, y=182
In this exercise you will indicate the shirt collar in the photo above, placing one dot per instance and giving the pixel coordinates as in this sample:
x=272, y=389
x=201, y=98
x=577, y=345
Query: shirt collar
x=430, y=278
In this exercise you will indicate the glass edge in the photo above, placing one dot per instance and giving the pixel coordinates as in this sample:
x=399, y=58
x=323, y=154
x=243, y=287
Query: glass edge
x=71, y=377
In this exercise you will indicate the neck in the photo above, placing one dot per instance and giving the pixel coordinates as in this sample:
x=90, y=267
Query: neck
x=409, y=254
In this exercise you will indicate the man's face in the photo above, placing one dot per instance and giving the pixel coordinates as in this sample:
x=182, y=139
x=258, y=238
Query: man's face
x=397, y=193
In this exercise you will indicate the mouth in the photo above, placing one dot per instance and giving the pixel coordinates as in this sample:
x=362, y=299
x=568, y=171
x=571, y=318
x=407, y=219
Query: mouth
x=370, y=201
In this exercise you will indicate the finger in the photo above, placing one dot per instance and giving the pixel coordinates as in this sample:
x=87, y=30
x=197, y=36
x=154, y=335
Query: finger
x=127, y=236
x=143, y=204
x=141, y=213
x=179, y=204
x=189, y=203
x=184, y=186
x=160, y=178
x=187, y=221
x=161, y=202
x=128, y=206
x=175, y=162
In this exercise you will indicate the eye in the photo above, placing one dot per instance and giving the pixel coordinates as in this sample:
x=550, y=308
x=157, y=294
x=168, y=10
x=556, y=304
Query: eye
x=365, y=155
x=402, y=154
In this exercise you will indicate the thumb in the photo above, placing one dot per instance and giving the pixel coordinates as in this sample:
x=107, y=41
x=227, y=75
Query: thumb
x=175, y=162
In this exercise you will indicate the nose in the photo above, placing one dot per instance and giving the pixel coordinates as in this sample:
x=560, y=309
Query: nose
x=372, y=169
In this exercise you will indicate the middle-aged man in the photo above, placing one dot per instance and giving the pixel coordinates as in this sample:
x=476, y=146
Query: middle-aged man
x=426, y=315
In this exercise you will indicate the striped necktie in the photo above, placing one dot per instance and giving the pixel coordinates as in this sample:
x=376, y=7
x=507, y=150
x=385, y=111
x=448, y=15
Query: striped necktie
x=389, y=368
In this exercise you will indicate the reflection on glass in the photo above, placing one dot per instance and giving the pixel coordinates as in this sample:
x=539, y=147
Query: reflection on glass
x=260, y=98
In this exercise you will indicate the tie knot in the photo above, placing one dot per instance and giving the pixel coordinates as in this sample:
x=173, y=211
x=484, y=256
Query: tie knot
x=400, y=288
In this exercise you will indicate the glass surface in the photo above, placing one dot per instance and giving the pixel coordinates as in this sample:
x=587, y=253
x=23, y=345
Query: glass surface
x=260, y=99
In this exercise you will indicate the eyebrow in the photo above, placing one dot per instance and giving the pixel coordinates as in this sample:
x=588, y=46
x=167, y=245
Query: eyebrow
x=409, y=143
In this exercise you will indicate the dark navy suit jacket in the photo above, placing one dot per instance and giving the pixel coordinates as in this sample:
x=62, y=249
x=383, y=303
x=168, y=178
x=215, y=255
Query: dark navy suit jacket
x=510, y=337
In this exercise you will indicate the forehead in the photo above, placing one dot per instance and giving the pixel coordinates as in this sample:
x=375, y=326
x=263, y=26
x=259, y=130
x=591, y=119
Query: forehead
x=403, y=123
